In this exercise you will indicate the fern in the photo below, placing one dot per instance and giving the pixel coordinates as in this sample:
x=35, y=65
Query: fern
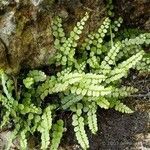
x=45, y=126
x=89, y=78
x=23, y=139
x=144, y=64
x=57, y=134
x=65, y=54
x=119, y=106
x=37, y=75
x=92, y=118
x=103, y=103
x=69, y=100
x=78, y=123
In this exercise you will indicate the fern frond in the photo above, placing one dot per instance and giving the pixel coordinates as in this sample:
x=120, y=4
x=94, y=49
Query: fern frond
x=131, y=46
x=36, y=122
x=37, y=75
x=94, y=41
x=90, y=90
x=45, y=127
x=57, y=134
x=123, y=91
x=28, y=82
x=92, y=118
x=116, y=24
x=122, y=69
x=110, y=58
x=5, y=119
x=58, y=31
x=54, y=85
x=139, y=40
x=122, y=108
x=23, y=139
x=4, y=79
x=93, y=61
x=144, y=64
x=10, y=85
x=78, y=123
x=103, y=102
x=119, y=106
x=66, y=51
x=70, y=100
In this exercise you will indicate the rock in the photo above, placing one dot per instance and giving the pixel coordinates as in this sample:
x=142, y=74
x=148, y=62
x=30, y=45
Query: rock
x=136, y=13
x=4, y=140
x=25, y=28
x=36, y=2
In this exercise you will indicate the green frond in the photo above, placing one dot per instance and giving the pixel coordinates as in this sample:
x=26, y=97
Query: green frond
x=110, y=58
x=5, y=119
x=94, y=41
x=28, y=82
x=131, y=46
x=116, y=24
x=37, y=75
x=119, y=106
x=23, y=139
x=58, y=30
x=36, y=122
x=57, y=134
x=4, y=79
x=69, y=100
x=123, y=91
x=54, y=85
x=90, y=90
x=78, y=123
x=92, y=117
x=45, y=127
x=10, y=85
x=102, y=102
x=144, y=64
x=66, y=50
x=122, y=108
x=93, y=62
x=122, y=69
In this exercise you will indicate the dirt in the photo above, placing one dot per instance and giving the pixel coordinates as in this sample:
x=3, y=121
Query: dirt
x=116, y=132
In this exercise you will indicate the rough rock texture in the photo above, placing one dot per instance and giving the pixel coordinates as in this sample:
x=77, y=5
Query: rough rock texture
x=136, y=13
x=25, y=33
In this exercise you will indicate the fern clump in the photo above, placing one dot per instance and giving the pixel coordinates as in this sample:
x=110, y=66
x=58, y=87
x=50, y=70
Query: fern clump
x=25, y=111
x=97, y=72
x=90, y=78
